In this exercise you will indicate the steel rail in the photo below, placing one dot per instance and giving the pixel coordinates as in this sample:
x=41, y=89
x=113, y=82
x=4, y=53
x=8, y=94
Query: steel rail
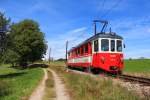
x=141, y=80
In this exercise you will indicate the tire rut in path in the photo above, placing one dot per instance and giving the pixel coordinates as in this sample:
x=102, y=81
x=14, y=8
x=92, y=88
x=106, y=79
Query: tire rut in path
x=60, y=87
x=39, y=92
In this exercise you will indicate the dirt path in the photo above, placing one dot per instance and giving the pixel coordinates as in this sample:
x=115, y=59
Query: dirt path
x=60, y=88
x=39, y=92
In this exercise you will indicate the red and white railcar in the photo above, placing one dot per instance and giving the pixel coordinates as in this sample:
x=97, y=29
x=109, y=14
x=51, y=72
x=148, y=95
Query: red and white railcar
x=103, y=51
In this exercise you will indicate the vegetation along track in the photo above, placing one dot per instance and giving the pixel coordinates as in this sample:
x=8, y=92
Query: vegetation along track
x=141, y=80
x=129, y=78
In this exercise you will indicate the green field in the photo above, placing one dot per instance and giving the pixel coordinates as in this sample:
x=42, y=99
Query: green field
x=137, y=66
x=16, y=84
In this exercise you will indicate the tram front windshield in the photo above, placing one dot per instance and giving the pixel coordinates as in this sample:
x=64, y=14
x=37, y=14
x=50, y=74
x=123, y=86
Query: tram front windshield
x=119, y=46
x=115, y=45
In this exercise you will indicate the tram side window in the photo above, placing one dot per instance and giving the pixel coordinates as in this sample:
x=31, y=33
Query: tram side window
x=82, y=50
x=70, y=53
x=119, y=45
x=105, y=45
x=86, y=48
x=76, y=52
x=112, y=45
x=96, y=46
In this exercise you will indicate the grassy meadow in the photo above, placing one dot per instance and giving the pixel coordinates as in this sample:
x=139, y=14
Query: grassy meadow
x=16, y=84
x=81, y=87
x=138, y=65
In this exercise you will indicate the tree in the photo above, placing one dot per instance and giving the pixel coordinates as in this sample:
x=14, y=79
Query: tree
x=4, y=27
x=26, y=39
x=61, y=59
x=10, y=56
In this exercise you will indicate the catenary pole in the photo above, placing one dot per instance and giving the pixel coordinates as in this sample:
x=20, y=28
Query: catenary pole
x=66, y=50
x=49, y=55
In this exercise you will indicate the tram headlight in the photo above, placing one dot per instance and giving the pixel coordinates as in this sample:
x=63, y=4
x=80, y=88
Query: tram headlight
x=113, y=67
x=121, y=60
x=103, y=60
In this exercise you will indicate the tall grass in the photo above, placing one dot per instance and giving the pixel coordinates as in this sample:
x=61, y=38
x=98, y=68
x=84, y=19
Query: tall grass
x=82, y=87
x=86, y=88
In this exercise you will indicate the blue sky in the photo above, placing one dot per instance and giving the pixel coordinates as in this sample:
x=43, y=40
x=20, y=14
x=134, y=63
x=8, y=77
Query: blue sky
x=71, y=20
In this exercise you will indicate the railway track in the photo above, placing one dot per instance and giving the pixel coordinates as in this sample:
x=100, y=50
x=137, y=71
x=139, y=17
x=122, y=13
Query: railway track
x=140, y=80
x=127, y=78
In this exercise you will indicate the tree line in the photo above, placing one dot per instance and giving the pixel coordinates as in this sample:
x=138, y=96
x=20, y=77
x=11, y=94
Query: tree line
x=21, y=43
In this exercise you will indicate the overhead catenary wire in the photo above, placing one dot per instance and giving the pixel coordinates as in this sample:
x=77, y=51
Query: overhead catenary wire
x=49, y=59
x=81, y=35
x=78, y=39
x=102, y=6
x=111, y=8
x=103, y=15
x=66, y=50
x=103, y=3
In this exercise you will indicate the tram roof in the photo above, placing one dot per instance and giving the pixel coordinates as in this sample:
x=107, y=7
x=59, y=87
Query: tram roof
x=98, y=35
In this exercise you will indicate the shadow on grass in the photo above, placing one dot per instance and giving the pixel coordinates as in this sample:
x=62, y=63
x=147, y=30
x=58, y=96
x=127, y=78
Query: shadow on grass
x=37, y=65
x=11, y=75
x=30, y=66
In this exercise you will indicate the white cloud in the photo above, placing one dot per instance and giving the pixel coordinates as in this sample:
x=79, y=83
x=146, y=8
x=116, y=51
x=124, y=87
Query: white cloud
x=38, y=6
x=77, y=30
x=148, y=30
x=2, y=10
x=57, y=44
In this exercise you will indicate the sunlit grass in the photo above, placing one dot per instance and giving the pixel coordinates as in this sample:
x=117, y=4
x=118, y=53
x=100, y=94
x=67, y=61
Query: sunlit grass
x=19, y=83
x=137, y=65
